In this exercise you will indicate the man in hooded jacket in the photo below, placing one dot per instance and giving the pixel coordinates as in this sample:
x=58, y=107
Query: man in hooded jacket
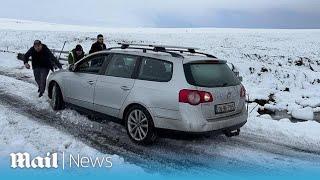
x=76, y=54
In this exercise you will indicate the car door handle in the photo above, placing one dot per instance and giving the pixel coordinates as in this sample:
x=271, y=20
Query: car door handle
x=91, y=82
x=125, y=88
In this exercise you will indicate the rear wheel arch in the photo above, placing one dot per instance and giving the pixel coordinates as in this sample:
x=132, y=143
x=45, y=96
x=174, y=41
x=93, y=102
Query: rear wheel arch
x=126, y=110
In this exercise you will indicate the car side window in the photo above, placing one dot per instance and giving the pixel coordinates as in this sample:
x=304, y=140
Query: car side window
x=121, y=65
x=155, y=70
x=92, y=65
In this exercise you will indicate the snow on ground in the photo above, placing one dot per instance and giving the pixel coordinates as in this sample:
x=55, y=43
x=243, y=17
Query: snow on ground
x=22, y=134
x=19, y=133
x=282, y=63
x=300, y=134
x=279, y=66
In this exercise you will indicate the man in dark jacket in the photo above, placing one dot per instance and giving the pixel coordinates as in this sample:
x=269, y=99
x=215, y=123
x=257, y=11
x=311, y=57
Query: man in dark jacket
x=76, y=54
x=42, y=61
x=98, y=46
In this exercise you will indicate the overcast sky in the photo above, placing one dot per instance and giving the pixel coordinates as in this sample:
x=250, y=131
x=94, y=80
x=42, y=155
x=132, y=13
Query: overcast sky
x=169, y=13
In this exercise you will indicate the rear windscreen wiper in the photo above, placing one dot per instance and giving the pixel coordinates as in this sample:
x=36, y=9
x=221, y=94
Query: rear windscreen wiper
x=224, y=85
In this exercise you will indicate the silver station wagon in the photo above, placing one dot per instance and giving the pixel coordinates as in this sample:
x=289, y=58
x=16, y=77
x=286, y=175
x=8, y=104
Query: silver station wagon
x=150, y=87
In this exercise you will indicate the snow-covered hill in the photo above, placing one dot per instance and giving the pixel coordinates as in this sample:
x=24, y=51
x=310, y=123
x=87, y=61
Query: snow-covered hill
x=15, y=24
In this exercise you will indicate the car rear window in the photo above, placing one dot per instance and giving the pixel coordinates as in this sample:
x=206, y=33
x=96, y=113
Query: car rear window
x=210, y=75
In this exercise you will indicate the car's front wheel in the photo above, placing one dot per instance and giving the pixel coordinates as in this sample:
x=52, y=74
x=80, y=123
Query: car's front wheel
x=140, y=126
x=57, y=102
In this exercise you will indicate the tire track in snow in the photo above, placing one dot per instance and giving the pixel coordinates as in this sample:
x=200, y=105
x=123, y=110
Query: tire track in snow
x=165, y=156
x=28, y=79
x=19, y=76
x=96, y=139
x=162, y=157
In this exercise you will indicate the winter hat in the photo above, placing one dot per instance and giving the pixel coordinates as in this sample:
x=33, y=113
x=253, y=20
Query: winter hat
x=37, y=42
x=78, y=47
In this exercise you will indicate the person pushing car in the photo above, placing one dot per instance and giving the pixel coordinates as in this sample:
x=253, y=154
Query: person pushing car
x=42, y=62
x=76, y=54
x=98, y=46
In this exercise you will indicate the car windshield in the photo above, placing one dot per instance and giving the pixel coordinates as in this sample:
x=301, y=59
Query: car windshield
x=210, y=75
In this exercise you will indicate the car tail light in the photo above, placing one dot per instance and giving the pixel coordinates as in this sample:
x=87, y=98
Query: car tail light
x=242, y=91
x=195, y=97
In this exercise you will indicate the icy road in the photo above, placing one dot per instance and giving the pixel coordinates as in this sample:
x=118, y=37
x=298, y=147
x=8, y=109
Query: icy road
x=263, y=146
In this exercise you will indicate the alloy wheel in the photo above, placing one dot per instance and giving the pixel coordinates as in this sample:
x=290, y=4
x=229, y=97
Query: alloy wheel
x=138, y=125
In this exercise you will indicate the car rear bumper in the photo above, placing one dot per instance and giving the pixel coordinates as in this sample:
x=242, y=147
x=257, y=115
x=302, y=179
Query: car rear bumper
x=193, y=121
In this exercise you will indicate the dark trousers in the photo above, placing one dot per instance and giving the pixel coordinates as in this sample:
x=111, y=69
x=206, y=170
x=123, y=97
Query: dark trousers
x=40, y=75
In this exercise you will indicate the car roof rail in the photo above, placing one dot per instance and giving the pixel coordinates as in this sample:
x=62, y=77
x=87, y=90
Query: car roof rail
x=192, y=51
x=163, y=48
x=158, y=46
x=145, y=49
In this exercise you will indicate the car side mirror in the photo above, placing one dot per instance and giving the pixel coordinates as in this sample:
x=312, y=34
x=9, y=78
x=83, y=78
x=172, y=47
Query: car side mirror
x=237, y=74
x=72, y=68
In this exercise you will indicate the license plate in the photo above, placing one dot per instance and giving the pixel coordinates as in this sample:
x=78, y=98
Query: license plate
x=225, y=108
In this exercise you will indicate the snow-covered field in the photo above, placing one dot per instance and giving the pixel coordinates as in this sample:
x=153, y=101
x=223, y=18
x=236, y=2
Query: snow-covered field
x=279, y=67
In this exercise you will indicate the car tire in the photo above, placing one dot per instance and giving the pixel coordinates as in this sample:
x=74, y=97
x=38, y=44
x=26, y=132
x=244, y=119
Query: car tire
x=139, y=125
x=57, y=102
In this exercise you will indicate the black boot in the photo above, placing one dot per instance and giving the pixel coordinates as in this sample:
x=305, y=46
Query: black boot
x=40, y=94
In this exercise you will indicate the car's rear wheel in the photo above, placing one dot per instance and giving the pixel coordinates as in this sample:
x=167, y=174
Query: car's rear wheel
x=57, y=102
x=140, y=126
